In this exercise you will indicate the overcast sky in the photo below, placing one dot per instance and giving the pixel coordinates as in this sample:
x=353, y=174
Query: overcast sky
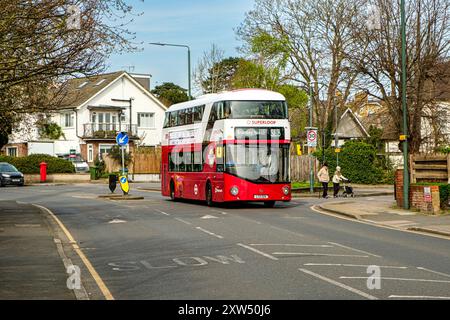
x=197, y=23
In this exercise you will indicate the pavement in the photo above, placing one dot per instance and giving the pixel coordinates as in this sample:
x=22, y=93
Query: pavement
x=31, y=266
x=160, y=249
x=382, y=211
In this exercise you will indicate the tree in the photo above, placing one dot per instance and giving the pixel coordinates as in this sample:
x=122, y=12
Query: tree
x=169, y=93
x=214, y=72
x=310, y=40
x=378, y=59
x=43, y=43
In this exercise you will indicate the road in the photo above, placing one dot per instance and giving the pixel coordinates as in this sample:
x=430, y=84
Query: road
x=159, y=249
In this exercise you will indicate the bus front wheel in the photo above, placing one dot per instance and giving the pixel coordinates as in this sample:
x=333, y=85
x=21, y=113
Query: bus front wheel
x=209, y=200
x=269, y=204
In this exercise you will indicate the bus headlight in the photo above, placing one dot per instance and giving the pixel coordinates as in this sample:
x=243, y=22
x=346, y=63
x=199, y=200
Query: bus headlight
x=234, y=191
x=285, y=190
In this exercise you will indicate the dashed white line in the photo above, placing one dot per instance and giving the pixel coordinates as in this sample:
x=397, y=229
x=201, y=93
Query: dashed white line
x=317, y=254
x=184, y=221
x=417, y=297
x=292, y=245
x=209, y=232
x=357, y=250
x=164, y=213
x=221, y=212
x=399, y=279
x=435, y=272
x=257, y=251
x=351, y=265
x=341, y=285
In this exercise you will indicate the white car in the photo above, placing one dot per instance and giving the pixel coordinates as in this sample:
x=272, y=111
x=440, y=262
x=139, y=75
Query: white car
x=80, y=165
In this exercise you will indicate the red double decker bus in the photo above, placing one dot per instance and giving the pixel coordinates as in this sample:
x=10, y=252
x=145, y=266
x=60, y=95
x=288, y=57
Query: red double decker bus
x=231, y=146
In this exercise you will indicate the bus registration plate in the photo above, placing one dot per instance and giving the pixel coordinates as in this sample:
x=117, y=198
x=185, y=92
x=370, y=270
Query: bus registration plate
x=260, y=196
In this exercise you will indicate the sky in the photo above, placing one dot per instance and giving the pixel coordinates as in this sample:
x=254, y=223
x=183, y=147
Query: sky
x=196, y=23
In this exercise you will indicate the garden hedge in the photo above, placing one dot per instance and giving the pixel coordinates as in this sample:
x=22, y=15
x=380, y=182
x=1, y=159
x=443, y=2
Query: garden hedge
x=359, y=163
x=30, y=164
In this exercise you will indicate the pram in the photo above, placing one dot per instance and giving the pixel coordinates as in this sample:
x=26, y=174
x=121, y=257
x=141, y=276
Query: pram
x=348, y=189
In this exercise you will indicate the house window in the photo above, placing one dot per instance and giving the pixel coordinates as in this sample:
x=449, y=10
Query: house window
x=90, y=153
x=11, y=151
x=67, y=120
x=146, y=120
x=104, y=148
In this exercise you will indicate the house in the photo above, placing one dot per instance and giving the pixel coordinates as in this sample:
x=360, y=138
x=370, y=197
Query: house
x=93, y=111
x=349, y=128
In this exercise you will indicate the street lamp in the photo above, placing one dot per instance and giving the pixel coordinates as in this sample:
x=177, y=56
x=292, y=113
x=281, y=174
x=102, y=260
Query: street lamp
x=189, y=60
x=405, y=112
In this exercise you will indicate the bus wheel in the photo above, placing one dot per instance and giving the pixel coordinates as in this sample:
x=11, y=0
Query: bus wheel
x=172, y=191
x=209, y=200
x=269, y=204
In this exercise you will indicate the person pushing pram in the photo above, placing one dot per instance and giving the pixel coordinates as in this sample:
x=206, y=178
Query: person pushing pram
x=337, y=178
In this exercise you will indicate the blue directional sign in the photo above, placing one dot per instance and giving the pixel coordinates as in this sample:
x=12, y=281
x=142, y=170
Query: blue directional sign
x=122, y=139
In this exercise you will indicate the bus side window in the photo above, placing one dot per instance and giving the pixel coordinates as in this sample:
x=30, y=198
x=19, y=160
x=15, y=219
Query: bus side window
x=173, y=118
x=166, y=120
x=187, y=160
x=212, y=116
x=197, y=161
x=190, y=116
x=171, y=163
x=181, y=117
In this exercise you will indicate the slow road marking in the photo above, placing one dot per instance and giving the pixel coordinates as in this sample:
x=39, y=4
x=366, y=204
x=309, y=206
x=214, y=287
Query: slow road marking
x=102, y=286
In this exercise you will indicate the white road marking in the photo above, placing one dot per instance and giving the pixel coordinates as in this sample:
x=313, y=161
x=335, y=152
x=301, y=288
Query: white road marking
x=164, y=213
x=221, y=212
x=209, y=217
x=284, y=230
x=357, y=250
x=341, y=285
x=209, y=232
x=399, y=279
x=318, y=254
x=184, y=221
x=257, y=251
x=435, y=272
x=351, y=265
x=292, y=245
x=418, y=297
x=117, y=221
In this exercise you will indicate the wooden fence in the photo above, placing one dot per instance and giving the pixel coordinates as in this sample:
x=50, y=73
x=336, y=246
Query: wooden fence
x=146, y=161
x=300, y=167
x=429, y=168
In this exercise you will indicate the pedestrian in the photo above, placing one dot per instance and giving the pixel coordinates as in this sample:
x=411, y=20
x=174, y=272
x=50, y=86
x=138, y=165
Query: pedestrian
x=337, y=178
x=324, y=178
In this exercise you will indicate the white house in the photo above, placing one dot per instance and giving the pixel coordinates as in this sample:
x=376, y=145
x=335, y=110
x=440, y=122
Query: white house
x=93, y=111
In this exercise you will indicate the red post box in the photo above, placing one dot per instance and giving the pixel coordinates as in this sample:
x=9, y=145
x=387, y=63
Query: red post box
x=43, y=169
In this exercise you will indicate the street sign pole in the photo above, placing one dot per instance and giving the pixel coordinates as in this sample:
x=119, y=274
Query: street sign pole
x=311, y=169
x=123, y=160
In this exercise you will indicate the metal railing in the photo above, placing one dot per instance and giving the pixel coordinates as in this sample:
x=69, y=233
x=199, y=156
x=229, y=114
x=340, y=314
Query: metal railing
x=108, y=130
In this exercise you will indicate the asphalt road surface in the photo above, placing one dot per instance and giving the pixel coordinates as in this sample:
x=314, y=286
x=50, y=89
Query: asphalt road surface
x=159, y=249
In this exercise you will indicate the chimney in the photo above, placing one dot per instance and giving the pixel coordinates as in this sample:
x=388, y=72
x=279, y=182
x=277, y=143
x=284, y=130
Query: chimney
x=143, y=79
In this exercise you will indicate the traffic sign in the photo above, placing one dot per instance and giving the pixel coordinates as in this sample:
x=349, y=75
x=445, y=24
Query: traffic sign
x=311, y=137
x=122, y=139
x=124, y=184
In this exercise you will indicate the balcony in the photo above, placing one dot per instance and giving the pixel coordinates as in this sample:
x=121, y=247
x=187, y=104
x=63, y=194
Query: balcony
x=108, y=130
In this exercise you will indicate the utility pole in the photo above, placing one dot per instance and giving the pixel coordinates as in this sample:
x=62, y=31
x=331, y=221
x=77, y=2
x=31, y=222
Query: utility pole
x=311, y=169
x=336, y=138
x=405, y=112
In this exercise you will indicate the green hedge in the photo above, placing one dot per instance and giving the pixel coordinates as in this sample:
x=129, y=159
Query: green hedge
x=358, y=162
x=30, y=164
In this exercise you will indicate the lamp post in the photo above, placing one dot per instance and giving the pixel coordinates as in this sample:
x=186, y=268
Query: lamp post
x=405, y=112
x=189, y=60
x=311, y=169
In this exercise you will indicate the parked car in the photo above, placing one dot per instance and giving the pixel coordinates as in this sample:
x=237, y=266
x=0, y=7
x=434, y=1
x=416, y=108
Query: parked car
x=80, y=165
x=10, y=175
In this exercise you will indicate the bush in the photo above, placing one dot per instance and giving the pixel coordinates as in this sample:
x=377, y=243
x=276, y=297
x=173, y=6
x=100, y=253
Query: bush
x=358, y=162
x=30, y=164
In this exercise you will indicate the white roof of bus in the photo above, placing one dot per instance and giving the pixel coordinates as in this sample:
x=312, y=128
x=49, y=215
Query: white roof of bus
x=237, y=95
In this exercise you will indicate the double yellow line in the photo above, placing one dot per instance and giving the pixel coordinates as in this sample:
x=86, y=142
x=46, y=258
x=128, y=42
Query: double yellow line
x=103, y=288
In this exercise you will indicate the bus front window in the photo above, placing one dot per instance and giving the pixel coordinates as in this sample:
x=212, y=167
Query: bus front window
x=259, y=163
x=256, y=110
